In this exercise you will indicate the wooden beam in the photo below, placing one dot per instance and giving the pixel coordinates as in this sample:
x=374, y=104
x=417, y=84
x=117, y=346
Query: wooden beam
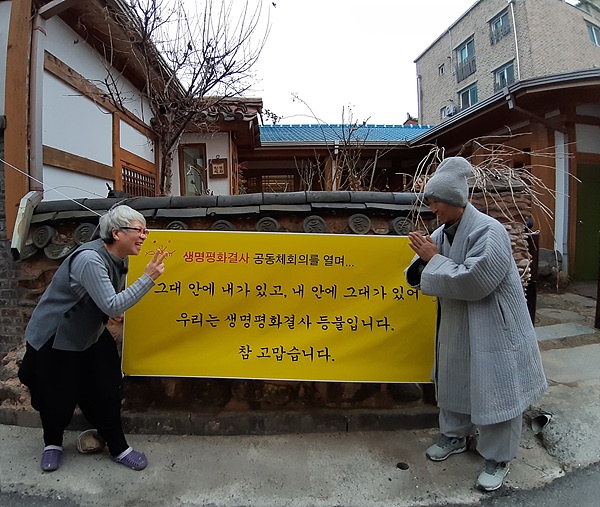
x=587, y=120
x=588, y=158
x=55, y=7
x=534, y=117
x=511, y=101
x=16, y=108
x=63, y=160
x=138, y=162
x=76, y=81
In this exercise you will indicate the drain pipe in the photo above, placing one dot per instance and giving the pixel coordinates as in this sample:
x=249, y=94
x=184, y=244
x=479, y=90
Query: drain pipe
x=419, y=99
x=512, y=12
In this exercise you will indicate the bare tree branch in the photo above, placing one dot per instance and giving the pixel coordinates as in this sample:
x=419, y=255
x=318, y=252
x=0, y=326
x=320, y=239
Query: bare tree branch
x=193, y=57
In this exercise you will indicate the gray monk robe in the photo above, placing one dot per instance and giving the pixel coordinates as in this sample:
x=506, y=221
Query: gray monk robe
x=488, y=363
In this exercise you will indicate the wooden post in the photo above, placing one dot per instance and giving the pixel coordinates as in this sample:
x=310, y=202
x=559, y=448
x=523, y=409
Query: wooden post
x=16, y=109
x=597, y=322
x=543, y=167
x=328, y=175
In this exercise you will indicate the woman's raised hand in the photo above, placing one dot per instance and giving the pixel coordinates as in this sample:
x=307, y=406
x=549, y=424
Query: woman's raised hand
x=156, y=267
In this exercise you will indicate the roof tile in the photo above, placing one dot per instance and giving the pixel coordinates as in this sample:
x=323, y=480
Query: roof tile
x=317, y=133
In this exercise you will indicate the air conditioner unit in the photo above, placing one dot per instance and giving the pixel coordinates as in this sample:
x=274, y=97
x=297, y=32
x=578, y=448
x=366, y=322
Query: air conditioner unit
x=451, y=110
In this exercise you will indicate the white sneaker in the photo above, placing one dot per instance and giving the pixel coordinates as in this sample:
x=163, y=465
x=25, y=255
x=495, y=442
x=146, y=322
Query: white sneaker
x=492, y=476
x=445, y=447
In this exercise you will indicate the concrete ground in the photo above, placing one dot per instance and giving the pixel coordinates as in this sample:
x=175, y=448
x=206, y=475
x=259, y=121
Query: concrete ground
x=362, y=469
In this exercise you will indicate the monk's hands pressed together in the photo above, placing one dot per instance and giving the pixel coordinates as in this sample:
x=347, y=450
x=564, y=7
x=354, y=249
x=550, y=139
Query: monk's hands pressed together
x=423, y=246
x=156, y=267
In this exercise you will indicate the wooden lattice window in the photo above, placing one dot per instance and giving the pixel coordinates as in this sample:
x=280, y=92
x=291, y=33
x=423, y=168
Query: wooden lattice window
x=138, y=183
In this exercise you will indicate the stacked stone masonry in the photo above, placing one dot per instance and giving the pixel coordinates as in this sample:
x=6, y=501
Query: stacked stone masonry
x=58, y=227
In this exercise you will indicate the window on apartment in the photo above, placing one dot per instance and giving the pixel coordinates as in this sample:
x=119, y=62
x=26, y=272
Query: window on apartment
x=466, y=51
x=594, y=32
x=504, y=76
x=465, y=58
x=468, y=96
x=192, y=169
x=442, y=69
x=499, y=27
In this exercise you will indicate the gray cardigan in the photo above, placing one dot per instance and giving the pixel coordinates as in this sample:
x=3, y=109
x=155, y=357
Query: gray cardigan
x=68, y=311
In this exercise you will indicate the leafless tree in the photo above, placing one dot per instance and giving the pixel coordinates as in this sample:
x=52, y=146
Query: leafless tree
x=193, y=56
x=502, y=188
x=346, y=147
x=311, y=172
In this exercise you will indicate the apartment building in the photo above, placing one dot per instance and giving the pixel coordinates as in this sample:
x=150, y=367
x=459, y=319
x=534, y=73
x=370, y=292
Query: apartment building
x=499, y=42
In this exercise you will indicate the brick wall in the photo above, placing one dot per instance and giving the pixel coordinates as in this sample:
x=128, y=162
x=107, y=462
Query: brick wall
x=552, y=38
x=12, y=313
x=437, y=90
x=558, y=38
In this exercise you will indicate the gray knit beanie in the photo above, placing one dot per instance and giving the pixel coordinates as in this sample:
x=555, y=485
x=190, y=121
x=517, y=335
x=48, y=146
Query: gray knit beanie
x=449, y=182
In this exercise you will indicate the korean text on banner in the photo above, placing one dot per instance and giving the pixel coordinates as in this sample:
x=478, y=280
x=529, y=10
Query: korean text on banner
x=280, y=306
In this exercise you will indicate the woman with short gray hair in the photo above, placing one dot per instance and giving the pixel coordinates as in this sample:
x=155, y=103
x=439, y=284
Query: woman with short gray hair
x=117, y=218
x=71, y=358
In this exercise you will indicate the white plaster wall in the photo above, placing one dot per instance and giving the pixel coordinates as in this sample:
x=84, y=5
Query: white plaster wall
x=588, y=138
x=136, y=142
x=77, y=125
x=60, y=184
x=218, y=145
x=71, y=49
x=588, y=110
x=74, y=123
x=4, y=20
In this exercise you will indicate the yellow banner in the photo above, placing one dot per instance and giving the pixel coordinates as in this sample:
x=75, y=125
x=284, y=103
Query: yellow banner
x=280, y=306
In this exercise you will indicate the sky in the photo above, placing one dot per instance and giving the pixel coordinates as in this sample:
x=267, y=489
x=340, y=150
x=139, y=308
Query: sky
x=348, y=60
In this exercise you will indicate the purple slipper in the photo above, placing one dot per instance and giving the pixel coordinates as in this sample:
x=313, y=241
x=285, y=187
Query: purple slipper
x=133, y=459
x=51, y=460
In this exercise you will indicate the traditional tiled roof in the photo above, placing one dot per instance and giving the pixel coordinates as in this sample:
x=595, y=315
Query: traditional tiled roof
x=58, y=227
x=330, y=133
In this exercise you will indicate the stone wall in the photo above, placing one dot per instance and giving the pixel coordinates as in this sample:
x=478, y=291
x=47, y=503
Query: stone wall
x=58, y=227
x=13, y=312
x=512, y=210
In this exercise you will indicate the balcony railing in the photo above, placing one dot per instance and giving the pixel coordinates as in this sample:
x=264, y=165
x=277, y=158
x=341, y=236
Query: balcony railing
x=501, y=83
x=465, y=68
x=138, y=184
x=498, y=33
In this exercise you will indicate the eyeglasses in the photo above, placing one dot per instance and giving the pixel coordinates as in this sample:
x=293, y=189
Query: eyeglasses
x=139, y=230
